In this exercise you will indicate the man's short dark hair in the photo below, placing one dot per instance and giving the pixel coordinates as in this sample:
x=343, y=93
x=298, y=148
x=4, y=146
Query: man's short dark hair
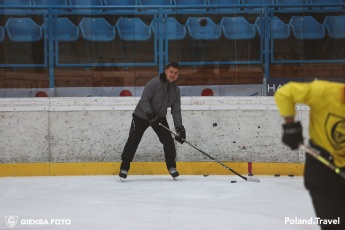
x=173, y=64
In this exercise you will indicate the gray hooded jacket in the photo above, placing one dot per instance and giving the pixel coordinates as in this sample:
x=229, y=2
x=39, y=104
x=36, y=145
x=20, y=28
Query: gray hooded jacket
x=157, y=97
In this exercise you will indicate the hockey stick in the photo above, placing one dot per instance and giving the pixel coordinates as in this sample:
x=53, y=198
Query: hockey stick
x=323, y=160
x=250, y=179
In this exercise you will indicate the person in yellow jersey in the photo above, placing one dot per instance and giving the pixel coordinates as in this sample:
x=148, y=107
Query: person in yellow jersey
x=327, y=135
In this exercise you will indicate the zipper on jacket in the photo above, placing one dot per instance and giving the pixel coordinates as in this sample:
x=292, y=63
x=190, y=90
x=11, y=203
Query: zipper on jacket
x=165, y=94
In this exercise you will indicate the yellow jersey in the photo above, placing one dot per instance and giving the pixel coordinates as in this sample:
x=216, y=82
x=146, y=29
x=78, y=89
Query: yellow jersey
x=327, y=113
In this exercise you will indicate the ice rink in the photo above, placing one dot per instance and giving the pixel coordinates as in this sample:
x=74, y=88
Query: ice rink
x=154, y=202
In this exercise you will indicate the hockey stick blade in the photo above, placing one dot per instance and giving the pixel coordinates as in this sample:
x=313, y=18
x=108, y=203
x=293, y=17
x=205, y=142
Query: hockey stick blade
x=253, y=179
x=250, y=179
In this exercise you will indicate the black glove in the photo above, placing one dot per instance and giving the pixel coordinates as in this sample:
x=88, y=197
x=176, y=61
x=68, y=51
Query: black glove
x=153, y=119
x=181, y=132
x=292, y=135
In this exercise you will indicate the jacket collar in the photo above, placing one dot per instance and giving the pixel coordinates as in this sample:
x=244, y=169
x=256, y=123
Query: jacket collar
x=163, y=78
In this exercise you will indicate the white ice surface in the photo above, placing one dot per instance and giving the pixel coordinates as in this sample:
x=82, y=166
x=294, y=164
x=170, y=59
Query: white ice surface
x=155, y=202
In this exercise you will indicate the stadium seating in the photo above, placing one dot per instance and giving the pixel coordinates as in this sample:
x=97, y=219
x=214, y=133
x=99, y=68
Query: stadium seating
x=24, y=34
x=198, y=3
x=2, y=33
x=295, y=4
x=66, y=33
x=132, y=31
x=308, y=36
x=190, y=29
x=326, y=2
x=306, y=27
x=173, y=33
x=173, y=30
x=21, y=11
x=278, y=29
x=23, y=30
x=97, y=33
x=156, y=3
x=133, y=3
x=335, y=26
x=256, y=2
x=210, y=31
x=50, y=3
x=87, y=4
x=66, y=30
x=223, y=5
x=204, y=34
x=96, y=29
x=237, y=28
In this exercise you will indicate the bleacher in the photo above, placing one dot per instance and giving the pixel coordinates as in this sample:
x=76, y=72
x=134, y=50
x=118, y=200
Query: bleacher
x=115, y=43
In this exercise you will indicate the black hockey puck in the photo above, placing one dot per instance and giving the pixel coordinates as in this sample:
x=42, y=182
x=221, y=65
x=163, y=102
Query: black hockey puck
x=206, y=175
x=291, y=175
x=233, y=181
x=277, y=175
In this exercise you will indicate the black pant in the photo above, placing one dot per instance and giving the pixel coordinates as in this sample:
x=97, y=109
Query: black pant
x=327, y=190
x=138, y=127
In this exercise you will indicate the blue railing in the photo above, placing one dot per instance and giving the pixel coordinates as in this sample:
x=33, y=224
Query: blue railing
x=213, y=36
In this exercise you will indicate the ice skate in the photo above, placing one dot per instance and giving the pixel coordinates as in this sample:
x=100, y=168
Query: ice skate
x=174, y=173
x=123, y=175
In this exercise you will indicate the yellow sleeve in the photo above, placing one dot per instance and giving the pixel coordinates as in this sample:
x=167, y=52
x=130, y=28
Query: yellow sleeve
x=289, y=94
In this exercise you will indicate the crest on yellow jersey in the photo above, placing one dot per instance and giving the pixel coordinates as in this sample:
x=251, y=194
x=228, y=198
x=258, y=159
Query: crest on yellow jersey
x=335, y=130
